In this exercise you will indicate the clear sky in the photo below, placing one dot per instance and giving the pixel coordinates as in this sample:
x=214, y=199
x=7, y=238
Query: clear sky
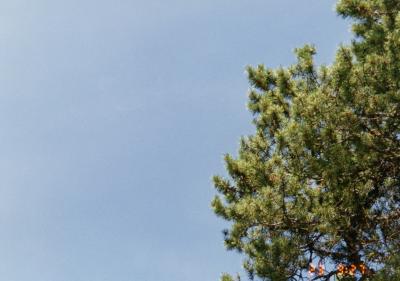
x=114, y=115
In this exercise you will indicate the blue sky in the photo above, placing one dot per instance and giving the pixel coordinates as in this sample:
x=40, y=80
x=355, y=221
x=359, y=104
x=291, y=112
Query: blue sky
x=114, y=115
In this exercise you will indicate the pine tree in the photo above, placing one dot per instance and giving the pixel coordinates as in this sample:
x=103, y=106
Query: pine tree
x=314, y=193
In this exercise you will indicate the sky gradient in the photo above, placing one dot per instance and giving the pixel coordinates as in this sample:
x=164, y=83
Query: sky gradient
x=114, y=115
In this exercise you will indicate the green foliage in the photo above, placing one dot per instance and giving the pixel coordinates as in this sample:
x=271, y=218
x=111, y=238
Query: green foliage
x=227, y=277
x=391, y=271
x=320, y=178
